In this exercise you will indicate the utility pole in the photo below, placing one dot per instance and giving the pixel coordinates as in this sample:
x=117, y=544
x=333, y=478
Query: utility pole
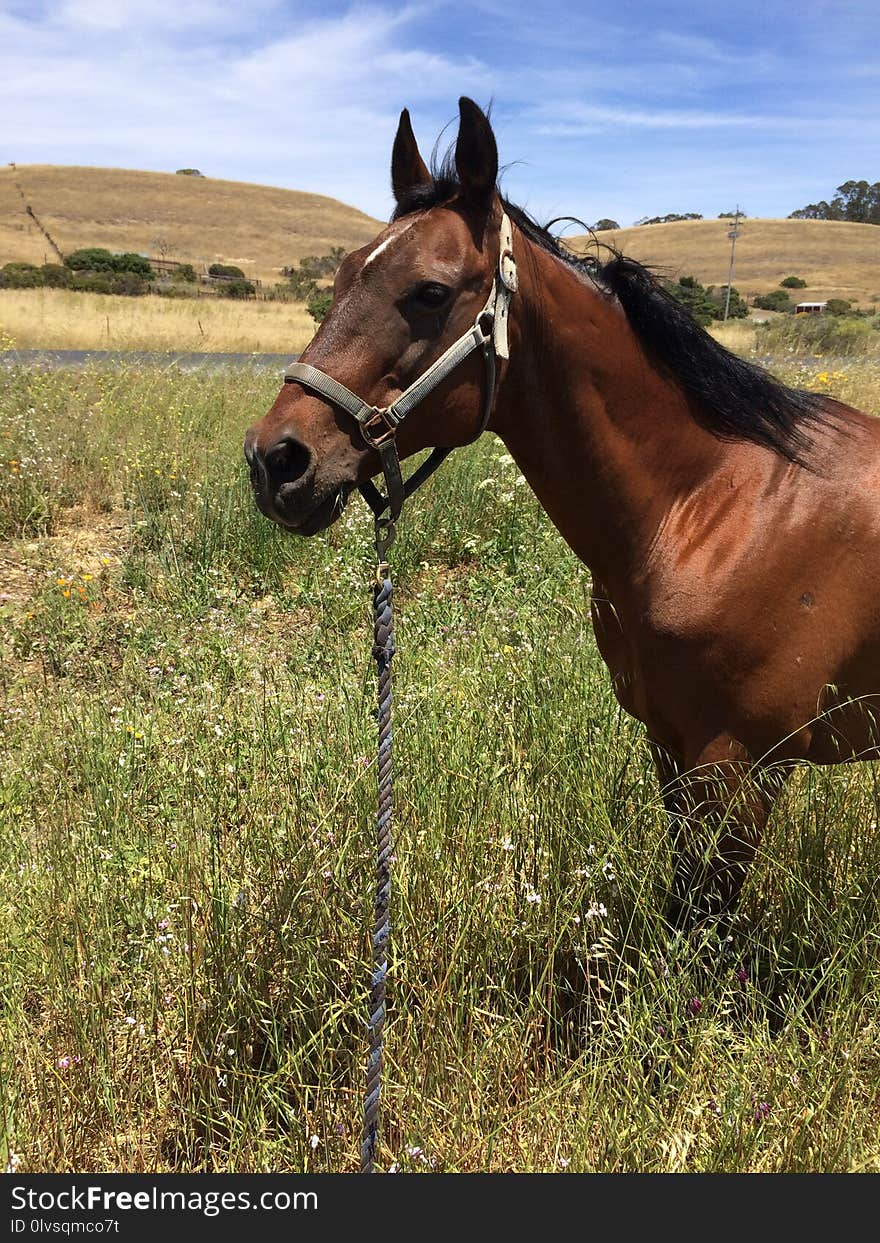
x=733, y=235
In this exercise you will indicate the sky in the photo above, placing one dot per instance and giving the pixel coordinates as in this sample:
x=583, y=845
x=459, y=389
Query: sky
x=600, y=110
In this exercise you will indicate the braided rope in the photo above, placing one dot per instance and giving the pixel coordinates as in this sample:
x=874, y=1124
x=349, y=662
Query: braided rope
x=383, y=650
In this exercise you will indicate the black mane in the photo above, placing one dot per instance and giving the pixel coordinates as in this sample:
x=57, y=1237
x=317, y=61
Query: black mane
x=732, y=398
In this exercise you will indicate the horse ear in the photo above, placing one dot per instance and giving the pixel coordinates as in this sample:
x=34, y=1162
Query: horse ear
x=408, y=169
x=476, y=152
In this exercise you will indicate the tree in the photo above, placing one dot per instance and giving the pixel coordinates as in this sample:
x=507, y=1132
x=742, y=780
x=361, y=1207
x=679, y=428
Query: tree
x=319, y=304
x=737, y=308
x=226, y=269
x=731, y=215
x=689, y=291
x=775, y=300
x=792, y=282
x=838, y=306
x=601, y=225
x=237, y=288
x=671, y=218
x=856, y=201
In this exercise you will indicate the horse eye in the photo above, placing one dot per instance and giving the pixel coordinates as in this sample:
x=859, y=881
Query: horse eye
x=430, y=296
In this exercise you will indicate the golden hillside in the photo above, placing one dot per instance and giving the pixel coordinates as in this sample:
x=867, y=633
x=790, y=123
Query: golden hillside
x=199, y=220
x=836, y=260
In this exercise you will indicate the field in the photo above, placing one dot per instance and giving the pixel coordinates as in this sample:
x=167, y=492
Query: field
x=187, y=787
x=61, y=319
x=836, y=259
x=198, y=220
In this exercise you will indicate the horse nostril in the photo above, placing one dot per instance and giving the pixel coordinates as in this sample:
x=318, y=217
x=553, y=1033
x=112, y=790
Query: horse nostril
x=287, y=461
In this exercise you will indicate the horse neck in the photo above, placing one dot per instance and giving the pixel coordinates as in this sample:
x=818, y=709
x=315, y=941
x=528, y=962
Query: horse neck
x=607, y=443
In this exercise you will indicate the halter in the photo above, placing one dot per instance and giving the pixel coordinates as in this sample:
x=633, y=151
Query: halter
x=378, y=424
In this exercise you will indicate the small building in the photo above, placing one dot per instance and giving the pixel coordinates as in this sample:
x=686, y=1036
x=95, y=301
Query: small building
x=810, y=308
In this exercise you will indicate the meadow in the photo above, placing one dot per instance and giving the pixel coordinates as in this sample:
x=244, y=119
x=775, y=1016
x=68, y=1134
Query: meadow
x=187, y=790
x=63, y=319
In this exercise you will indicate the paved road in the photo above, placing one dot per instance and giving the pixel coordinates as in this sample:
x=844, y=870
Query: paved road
x=52, y=360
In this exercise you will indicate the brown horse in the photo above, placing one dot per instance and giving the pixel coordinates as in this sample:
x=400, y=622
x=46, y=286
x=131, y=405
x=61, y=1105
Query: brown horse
x=732, y=524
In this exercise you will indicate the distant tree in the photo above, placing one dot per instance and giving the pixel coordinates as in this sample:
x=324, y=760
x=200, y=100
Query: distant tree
x=319, y=304
x=226, y=269
x=689, y=291
x=303, y=278
x=793, y=282
x=56, y=275
x=20, y=276
x=671, y=218
x=731, y=215
x=856, y=201
x=838, y=306
x=237, y=288
x=601, y=225
x=90, y=259
x=189, y=172
x=775, y=300
x=738, y=307
x=97, y=259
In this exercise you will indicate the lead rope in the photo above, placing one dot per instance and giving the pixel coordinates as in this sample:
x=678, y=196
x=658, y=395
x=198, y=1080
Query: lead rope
x=383, y=650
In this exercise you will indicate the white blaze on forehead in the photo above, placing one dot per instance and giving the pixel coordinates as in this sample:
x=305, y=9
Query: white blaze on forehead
x=405, y=224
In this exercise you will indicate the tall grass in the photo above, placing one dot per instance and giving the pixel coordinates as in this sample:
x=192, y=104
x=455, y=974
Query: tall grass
x=187, y=786
x=62, y=319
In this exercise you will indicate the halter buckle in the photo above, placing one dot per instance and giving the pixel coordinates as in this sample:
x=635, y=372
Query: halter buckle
x=385, y=420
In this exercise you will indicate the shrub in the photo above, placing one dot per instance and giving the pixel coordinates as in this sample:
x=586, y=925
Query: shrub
x=129, y=284
x=226, y=269
x=793, y=282
x=775, y=300
x=237, y=288
x=738, y=308
x=90, y=259
x=601, y=225
x=130, y=262
x=815, y=334
x=188, y=172
x=838, y=306
x=20, y=276
x=319, y=304
x=56, y=275
x=186, y=272
x=97, y=259
x=688, y=290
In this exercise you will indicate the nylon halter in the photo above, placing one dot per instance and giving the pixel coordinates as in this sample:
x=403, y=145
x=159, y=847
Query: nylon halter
x=378, y=424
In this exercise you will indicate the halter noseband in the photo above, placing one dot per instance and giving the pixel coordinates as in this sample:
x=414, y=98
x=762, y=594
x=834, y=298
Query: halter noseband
x=378, y=424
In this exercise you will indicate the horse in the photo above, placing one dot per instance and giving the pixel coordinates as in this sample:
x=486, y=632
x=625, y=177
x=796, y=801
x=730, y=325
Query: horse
x=731, y=524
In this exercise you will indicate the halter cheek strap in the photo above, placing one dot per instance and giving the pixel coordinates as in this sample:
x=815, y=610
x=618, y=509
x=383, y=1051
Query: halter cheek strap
x=378, y=424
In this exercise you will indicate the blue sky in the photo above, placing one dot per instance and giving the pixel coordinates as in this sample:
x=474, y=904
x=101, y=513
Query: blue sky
x=600, y=110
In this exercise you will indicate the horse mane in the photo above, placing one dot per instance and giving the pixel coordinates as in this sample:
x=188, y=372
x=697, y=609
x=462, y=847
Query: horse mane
x=730, y=397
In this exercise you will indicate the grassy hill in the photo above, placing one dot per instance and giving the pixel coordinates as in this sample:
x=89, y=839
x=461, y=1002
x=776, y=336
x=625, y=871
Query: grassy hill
x=836, y=260
x=200, y=220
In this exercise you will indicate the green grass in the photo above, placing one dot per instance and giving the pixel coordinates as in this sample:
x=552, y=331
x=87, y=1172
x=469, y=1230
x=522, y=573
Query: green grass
x=187, y=791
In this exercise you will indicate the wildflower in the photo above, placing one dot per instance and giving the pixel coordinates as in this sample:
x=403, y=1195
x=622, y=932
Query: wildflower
x=412, y=1150
x=533, y=897
x=313, y=1142
x=63, y=1063
x=563, y=1162
x=696, y=1005
x=762, y=1111
x=742, y=975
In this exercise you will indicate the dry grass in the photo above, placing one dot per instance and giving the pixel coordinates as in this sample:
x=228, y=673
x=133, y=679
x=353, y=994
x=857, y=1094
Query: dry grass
x=836, y=260
x=202, y=220
x=60, y=319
